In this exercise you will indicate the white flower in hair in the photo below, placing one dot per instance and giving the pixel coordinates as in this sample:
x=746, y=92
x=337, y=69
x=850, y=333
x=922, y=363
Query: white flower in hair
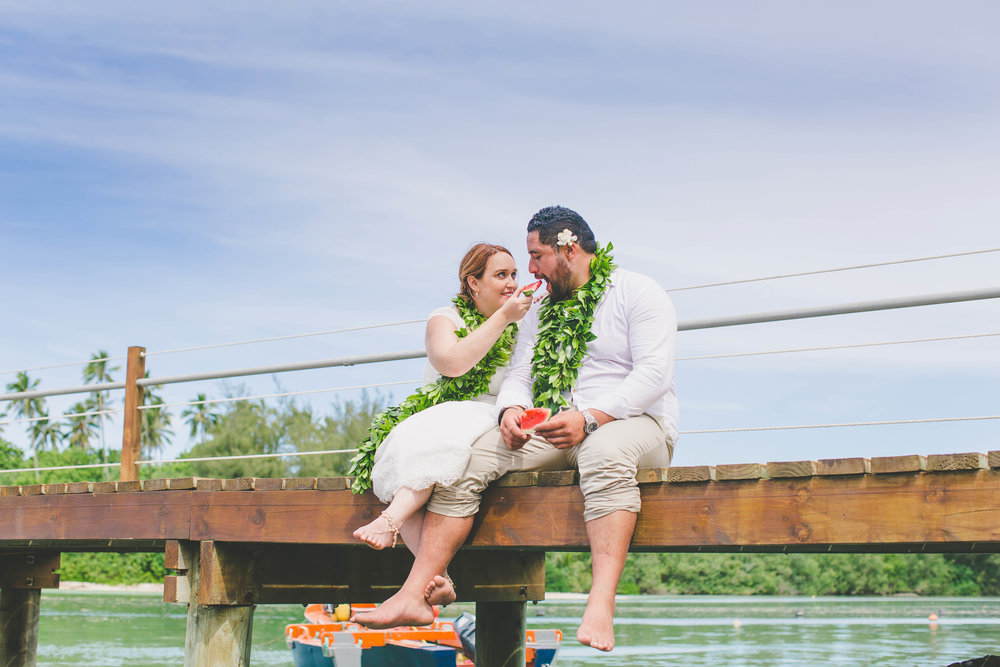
x=565, y=237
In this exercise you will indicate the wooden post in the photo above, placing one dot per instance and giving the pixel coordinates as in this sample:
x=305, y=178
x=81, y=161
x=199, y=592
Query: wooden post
x=19, y=610
x=135, y=369
x=216, y=635
x=500, y=630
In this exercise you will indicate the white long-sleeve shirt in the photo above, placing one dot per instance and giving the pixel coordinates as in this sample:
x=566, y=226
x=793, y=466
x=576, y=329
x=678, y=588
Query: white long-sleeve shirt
x=628, y=369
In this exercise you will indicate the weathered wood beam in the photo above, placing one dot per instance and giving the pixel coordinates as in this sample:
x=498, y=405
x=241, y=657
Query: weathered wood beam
x=29, y=569
x=215, y=635
x=240, y=573
x=500, y=630
x=135, y=369
x=19, y=613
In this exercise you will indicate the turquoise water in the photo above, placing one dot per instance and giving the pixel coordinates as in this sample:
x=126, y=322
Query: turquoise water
x=139, y=630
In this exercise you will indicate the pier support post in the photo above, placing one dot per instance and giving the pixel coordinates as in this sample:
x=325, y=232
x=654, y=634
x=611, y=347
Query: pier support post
x=19, y=611
x=500, y=630
x=218, y=636
x=219, y=630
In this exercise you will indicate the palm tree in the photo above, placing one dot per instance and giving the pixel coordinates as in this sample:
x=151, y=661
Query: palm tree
x=156, y=431
x=200, y=417
x=97, y=372
x=82, y=429
x=28, y=408
x=46, y=433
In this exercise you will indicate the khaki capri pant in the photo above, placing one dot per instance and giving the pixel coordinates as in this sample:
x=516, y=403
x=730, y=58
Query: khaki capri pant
x=607, y=460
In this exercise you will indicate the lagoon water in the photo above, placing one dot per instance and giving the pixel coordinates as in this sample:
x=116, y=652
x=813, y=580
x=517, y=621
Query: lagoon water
x=139, y=630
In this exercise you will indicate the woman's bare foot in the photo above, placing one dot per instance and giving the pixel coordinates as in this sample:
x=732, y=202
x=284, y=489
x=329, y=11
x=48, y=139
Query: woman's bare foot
x=597, y=628
x=378, y=534
x=440, y=591
x=396, y=611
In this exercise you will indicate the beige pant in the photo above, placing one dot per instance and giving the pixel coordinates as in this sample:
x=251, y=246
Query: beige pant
x=607, y=460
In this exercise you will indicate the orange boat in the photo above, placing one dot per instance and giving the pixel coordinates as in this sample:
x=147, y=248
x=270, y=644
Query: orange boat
x=325, y=641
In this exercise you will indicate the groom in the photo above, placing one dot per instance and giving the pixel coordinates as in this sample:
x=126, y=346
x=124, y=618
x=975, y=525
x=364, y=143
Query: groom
x=611, y=372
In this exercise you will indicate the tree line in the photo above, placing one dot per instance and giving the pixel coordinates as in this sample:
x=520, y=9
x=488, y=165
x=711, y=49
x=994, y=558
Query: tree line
x=241, y=427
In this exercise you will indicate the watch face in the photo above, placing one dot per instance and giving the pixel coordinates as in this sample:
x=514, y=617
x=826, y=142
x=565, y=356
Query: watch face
x=591, y=427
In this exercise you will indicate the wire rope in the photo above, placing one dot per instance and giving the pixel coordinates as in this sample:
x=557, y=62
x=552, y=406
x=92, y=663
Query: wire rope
x=23, y=420
x=891, y=422
x=837, y=347
x=288, y=337
x=834, y=270
x=283, y=394
x=60, y=365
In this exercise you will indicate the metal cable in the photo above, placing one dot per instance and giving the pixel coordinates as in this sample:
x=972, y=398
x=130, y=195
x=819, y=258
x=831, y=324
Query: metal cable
x=67, y=415
x=835, y=347
x=194, y=460
x=287, y=393
x=238, y=457
x=834, y=270
x=288, y=337
x=62, y=365
x=842, y=425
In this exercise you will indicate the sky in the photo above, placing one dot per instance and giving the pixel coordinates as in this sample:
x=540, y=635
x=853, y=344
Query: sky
x=184, y=174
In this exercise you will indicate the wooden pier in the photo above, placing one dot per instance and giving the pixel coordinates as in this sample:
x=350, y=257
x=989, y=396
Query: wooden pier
x=236, y=543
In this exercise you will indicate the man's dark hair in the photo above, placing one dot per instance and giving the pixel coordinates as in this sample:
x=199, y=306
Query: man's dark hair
x=553, y=219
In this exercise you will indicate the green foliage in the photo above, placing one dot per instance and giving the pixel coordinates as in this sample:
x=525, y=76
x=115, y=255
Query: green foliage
x=111, y=568
x=779, y=574
x=563, y=333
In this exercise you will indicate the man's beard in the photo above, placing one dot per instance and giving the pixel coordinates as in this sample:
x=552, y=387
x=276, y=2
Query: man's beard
x=560, y=282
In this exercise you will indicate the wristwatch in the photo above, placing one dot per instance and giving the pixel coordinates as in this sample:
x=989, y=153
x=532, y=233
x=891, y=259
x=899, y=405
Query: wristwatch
x=590, y=424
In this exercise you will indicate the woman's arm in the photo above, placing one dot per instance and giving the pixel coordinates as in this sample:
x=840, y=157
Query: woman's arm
x=452, y=356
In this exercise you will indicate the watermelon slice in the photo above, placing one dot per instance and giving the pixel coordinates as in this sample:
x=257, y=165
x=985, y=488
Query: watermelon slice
x=530, y=289
x=532, y=417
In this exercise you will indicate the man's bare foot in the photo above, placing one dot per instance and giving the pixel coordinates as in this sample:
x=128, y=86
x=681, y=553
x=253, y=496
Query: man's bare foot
x=378, y=534
x=597, y=628
x=396, y=611
x=440, y=591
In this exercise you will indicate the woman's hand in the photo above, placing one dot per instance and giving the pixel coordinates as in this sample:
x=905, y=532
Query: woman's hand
x=516, y=307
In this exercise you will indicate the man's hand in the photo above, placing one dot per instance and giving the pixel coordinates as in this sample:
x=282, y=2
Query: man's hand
x=510, y=428
x=563, y=430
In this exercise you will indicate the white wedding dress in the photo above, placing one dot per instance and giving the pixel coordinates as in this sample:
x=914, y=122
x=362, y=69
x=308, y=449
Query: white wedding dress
x=434, y=445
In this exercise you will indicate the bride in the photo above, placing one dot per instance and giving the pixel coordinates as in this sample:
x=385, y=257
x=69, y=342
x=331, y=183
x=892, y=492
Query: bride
x=468, y=344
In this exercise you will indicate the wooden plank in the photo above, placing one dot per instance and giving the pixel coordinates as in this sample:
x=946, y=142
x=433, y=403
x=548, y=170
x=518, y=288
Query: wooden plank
x=267, y=483
x=97, y=516
x=782, y=469
x=79, y=487
x=558, y=478
x=240, y=484
x=885, y=465
x=520, y=478
x=54, y=489
x=333, y=483
x=209, y=485
x=850, y=466
x=737, y=471
x=684, y=474
x=155, y=484
x=128, y=486
x=19, y=614
x=300, y=483
x=33, y=490
x=651, y=475
x=967, y=461
x=105, y=487
x=177, y=588
x=29, y=570
x=234, y=573
x=9, y=491
x=182, y=483
x=135, y=369
x=994, y=459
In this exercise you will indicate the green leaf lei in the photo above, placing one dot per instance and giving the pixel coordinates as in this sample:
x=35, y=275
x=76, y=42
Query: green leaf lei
x=475, y=382
x=563, y=333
